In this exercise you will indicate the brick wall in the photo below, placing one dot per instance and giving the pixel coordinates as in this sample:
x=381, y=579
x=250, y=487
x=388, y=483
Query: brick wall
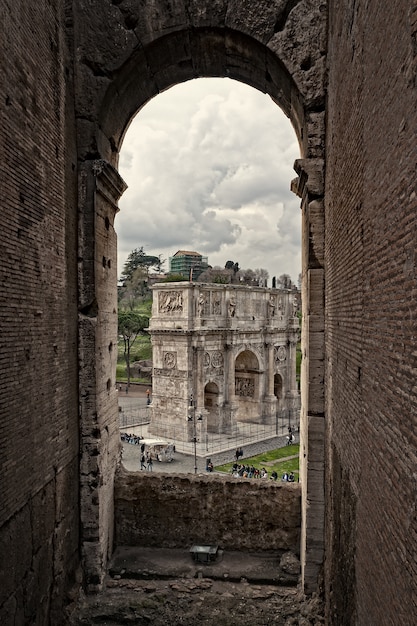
x=38, y=342
x=371, y=206
x=370, y=285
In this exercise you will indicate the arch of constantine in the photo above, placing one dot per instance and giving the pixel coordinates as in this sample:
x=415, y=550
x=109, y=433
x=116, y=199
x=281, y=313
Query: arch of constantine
x=228, y=350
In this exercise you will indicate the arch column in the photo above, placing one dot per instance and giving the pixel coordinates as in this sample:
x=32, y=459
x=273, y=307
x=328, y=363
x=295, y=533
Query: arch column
x=309, y=186
x=100, y=187
x=229, y=406
x=270, y=401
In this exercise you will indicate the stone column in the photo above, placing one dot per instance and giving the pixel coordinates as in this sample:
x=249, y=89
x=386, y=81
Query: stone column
x=100, y=187
x=270, y=401
x=199, y=389
x=310, y=187
x=227, y=424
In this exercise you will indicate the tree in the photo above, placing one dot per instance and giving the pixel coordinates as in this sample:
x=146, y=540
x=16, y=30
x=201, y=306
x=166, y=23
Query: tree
x=130, y=324
x=216, y=275
x=134, y=277
x=174, y=278
x=262, y=275
x=138, y=258
x=134, y=290
x=284, y=281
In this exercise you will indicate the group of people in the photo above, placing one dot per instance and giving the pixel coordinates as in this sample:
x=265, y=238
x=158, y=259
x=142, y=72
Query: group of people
x=146, y=460
x=129, y=438
x=238, y=453
x=288, y=477
x=249, y=471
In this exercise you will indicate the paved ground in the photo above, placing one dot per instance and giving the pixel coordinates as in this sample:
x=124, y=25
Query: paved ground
x=184, y=461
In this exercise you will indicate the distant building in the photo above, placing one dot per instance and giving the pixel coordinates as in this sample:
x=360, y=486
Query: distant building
x=188, y=264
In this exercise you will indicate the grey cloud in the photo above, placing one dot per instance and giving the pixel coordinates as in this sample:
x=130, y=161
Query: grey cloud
x=218, y=182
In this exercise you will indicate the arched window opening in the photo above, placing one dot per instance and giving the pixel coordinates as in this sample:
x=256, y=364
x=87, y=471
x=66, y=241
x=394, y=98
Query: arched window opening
x=208, y=165
x=211, y=405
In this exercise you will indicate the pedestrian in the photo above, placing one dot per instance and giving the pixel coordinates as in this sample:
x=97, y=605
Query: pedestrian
x=142, y=448
x=127, y=388
x=142, y=462
x=150, y=463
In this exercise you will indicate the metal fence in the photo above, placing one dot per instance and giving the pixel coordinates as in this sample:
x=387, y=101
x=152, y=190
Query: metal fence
x=133, y=416
x=207, y=443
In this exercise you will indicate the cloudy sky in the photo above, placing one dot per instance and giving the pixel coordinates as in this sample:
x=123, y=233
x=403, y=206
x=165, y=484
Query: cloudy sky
x=208, y=165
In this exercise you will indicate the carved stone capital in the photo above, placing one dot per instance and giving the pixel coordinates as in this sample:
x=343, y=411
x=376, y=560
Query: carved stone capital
x=310, y=181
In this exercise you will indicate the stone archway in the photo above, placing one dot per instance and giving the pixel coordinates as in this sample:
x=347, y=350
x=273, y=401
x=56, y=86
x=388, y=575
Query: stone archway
x=247, y=383
x=211, y=406
x=278, y=390
x=137, y=53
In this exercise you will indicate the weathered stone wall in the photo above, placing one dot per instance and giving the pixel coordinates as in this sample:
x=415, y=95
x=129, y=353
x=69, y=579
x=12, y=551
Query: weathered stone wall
x=371, y=208
x=39, y=477
x=176, y=511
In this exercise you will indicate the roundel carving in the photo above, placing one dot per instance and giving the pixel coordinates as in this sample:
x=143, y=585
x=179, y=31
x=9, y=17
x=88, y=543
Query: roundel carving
x=281, y=353
x=217, y=359
x=170, y=359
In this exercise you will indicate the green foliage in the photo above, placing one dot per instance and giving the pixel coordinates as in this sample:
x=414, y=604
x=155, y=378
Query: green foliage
x=281, y=460
x=130, y=324
x=174, y=278
x=134, y=278
x=145, y=307
x=139, y=259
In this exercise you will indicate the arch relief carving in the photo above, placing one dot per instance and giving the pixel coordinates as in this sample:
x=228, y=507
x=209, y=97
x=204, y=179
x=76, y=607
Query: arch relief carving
x=244, y=387
x=170, y=302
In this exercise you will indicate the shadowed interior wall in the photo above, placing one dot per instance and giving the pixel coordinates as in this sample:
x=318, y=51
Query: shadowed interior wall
x=39, y=479
x=371, y=209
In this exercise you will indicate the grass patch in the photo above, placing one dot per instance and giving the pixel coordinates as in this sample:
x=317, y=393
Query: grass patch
x=272, y=460
x=141, y=350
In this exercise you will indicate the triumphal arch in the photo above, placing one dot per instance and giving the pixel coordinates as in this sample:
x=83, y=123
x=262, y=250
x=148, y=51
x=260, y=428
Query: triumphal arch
x=228, y=352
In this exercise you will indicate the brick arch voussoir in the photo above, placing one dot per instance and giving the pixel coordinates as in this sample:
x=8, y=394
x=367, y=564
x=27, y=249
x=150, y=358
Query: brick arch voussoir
x=186, y=55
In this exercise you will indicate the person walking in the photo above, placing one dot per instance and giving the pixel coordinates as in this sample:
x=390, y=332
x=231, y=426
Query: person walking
x=150, y=463
x=142, y=462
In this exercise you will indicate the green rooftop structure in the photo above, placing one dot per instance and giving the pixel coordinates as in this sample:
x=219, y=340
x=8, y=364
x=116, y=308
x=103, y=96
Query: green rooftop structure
x=187, y=263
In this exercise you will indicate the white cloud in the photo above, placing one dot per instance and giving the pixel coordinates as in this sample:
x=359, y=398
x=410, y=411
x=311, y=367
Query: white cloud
x=208, y=165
